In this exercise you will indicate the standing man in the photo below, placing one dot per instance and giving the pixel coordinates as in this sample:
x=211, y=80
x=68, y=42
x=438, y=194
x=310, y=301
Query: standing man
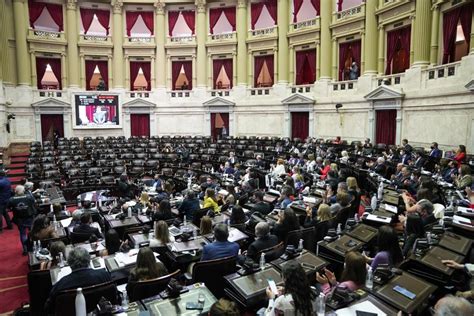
x=23, y=209
x=5, y=193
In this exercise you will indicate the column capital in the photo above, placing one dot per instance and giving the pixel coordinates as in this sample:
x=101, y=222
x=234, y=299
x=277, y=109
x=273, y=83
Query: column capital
x=159, y=7
x=117, y=6
x=200, y=6
x=380, y=27
x=241, y=4
x=71, y=4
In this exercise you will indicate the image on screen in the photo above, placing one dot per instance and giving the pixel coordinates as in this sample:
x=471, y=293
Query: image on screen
x=97, y=110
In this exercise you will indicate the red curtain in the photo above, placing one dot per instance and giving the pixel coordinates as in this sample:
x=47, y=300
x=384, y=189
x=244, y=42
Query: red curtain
x=175, y=69
x=299, y=125
x=296, y=8
x=230, y=15
x=258, y=65
x=147, y=17
x=90, y=67
x=189, y=18
x=131, y=18
x=345, y=49
x=104, y=72
x=339, y=5
x=103, y=16
x=466, y=22
x=172, y=19
x=217, y=66
x=42, y=63
x=51, y=123
x=55, y=10
x=140, y=124
x=228, y=67
x=305, y=67
x=135, y=68
x=217, y=131
x=272, y=9
x=397, y=39
x=317, y=5
x=356, y=52
x=269, y=60
x=35, y=9
x=255, y=11
x=87, y=16
x=386, y=126
x=450, y=23
x=214, y=15
x=188, y=70
x=90, y=109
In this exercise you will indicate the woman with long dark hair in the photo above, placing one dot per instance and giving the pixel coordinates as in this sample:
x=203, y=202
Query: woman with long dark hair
x=237, y=216
x=147, y=267
x=389, y=251
x=113, y=243
x=287, y=221
x=296, y=297
x=42, y=228
x=164, y=211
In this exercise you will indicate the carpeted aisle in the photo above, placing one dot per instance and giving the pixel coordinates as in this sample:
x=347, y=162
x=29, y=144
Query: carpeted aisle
x=13, y=271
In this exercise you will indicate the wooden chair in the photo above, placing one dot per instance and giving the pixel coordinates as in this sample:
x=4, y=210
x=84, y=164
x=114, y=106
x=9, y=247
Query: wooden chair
x=138, y=290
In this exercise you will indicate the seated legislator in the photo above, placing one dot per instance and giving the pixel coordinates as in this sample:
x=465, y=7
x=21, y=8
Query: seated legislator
x=435, y=152
x=205, y=226
x=42, y=228
x=464, y=179
x=263, y=240
x=287, y=221
x=162, y=235
x=210, y=200
x=147, y=267
x=55, y=250
x=321, y=221
x=460, y=155
x=81, y=276
x=164, y=211
x=85, y=226
x=189, y=205
x=260, y=206
x=389, y=251
x=221, y=247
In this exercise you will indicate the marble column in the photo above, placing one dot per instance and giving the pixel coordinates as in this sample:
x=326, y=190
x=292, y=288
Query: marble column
x=434, y=35
x=283, y=24
x=117, y=39
x=63, y=71
x=335, y=63
x=72, y=49
x=381, y=51
x=291, y=62
x=421, y=49
x=23, y=66
x=160, y=35
x=201, y=37
x=241, y=29
x=370, y=39
x=325, y=52
x=109, y=71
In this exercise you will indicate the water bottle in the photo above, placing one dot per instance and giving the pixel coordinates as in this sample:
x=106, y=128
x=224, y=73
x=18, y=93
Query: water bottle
x=61, y=260
x=300, y=245
x=35, y=246
x=124, y=300
x=441, y=222
x=380, y=191
x=428, y=238
x=79, y=203
x=184, y=221
x=129, y=212
x=100, y=202
x=80, y=303
x=339, y=229
x=212, y=169
x=262, y=261
x=50, y=208
x=189, y=183
x=55, y=221
x=369, y=282
x=356, y=217
x=194, y=232
x=373, y=202
x=321, y=304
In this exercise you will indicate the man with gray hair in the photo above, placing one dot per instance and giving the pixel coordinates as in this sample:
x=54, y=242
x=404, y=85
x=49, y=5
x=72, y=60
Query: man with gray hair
x=23, y=208
x=425, y=209
x=262, y=241
x=453, y=306
x=82, y=275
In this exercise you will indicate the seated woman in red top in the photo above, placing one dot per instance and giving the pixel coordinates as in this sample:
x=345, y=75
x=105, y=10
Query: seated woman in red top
x=460, y=154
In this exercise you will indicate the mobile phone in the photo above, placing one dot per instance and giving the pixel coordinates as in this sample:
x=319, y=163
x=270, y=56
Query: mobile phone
x=96, y=263
x=273, y=286
x=404, y=292
x=193, y=306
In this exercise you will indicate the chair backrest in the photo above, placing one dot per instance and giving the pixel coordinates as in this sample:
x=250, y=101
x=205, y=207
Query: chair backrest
x=272, y=253
x=78, y=237
x=139, y=290
x=293, y=237
x=65, y=301
x=39, y=286
x=198, y=214
x=309, y=238
x=212, y=273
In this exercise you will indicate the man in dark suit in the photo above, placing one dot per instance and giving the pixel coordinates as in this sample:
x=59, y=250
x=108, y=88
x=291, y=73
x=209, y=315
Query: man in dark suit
x=407, y=147
x=5, y=194
x=425, y=209
x=260, y=163
x=435, y=152
x=405, y=157
x=85, y=227
x=189, y=205
x=419, y=160
x=221, y=247
x=81, y=276
x=264, y=240
x=260, y=206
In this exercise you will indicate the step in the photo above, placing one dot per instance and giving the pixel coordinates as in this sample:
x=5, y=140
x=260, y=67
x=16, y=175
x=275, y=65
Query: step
x=20, y=154
x=16, y=172
x=15, y=166
x=16, y=180
x=18, y=159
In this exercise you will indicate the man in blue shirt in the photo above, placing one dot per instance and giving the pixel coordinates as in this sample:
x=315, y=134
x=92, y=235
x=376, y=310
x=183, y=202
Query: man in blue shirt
x=435, y=152
x=5, y=194
x=221, y=247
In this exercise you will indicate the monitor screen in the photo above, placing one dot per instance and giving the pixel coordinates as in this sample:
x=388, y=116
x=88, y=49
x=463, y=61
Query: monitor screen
x=97, y=111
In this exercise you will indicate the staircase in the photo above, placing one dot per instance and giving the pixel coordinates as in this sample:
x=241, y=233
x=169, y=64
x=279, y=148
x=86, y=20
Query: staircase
x=14, y=162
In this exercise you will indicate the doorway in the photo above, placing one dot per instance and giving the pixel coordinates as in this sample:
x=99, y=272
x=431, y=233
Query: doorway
x=140, y=125
x=299, y=125
x=219, y=125
x=51, y=124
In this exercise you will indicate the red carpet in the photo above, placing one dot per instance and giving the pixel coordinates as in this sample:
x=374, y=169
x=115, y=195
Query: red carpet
x=18, y=159
x=16, y=172
x=13, y=271
x=16, y=179
x=16, y=166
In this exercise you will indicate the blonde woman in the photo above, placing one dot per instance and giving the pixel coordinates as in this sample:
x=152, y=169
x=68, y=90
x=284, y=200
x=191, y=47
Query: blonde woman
x=354, y=192
x=162, y=235
x=145, y=199
x=205, y=227
x=321, y=220
x=279, y=169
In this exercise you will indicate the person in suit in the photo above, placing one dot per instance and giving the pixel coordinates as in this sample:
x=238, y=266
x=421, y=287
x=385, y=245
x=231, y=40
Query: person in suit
x=24, y=211
x=125, y=187
x=419, y=160
x=405, y=157
x=221, y=247
x=425, y=209
x=407, y=147
x=435, y=152
x=260, y=163
x=260, y=206
x=5, y=194
x=189, y=205
x=81, y=276
x=85, y=227
x=263, y=240
x=379, y=167
x=232, y=158
x=227, y=169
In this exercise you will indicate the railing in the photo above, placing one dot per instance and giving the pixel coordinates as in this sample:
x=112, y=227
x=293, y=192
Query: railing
x=259, y=91
x=390, y=80
x=50, y=93
x=47, y=35
x=95, y=38
x=303, y=24
x=140, y=39
x=343, y=85
x=222, y=37
x=442, y=71
x=349, y=12
x=301, y=88
x=138, y=94
x=182, y=39
x=219, y=93
x=180, y=94
x=264, y=32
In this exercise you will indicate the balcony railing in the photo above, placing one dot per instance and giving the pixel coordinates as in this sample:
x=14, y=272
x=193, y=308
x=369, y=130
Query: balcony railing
x=45, y=35
x=50, y=93
x=219, y=93
x=390, y=80
x=138, y=94
x=180, y=94
x=188, y=39
x=222, y=37
x=349, y=12
x=259, y=91
x=140, y=39
x=301, y=88
x=264, y=32
x=442, y=71
x=95, y=38
x=303, y=24
x=344, y=85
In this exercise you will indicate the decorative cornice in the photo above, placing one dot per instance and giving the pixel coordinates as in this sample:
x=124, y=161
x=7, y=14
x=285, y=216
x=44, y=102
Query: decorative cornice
x=71, y=4
x=241, y=4
x=117, y=6
x=200, y=6
x=159, y=7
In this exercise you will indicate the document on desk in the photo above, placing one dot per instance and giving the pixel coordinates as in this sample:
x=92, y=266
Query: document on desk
x=365, y=306
x=462, y=220
x=465, y=210
x=389, y=208
x=124, y=259
x=380, y=219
